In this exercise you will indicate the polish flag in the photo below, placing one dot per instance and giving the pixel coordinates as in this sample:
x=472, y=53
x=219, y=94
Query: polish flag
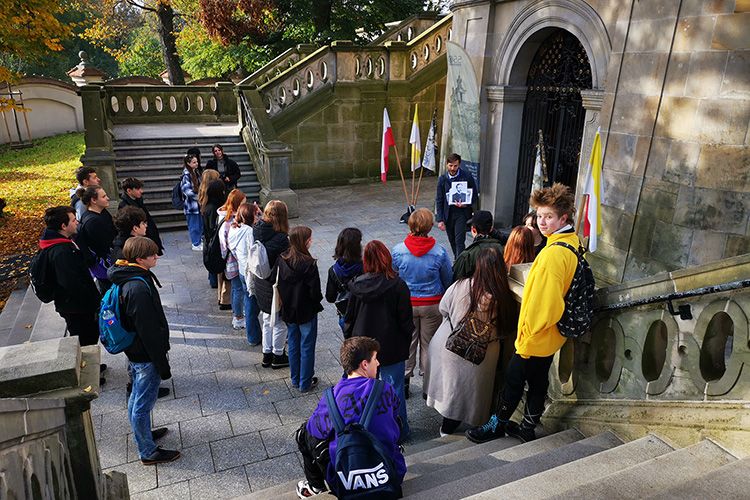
x=387, y=143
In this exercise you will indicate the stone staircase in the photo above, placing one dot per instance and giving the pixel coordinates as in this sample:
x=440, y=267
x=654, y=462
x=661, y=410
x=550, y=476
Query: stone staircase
x=565, y=464
x=26, y=319
x=158, y=163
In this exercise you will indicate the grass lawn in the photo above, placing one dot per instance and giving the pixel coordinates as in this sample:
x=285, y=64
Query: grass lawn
x=31, y=180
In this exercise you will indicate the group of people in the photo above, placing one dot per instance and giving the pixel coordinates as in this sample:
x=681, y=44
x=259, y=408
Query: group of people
x=392, y=304
x=414, y=298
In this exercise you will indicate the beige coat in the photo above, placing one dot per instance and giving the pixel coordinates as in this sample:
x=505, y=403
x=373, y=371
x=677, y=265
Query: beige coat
x=456, y=388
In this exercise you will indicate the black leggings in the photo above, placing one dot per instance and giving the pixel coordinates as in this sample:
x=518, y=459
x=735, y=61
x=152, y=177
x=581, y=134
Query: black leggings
x=535, y=372
x=83, y=325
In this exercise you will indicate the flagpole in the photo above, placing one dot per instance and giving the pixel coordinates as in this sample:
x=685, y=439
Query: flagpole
x=419, y=183
x=403, y=181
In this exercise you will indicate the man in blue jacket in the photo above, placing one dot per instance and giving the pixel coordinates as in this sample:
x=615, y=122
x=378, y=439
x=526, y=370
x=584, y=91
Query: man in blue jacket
x=452, y=217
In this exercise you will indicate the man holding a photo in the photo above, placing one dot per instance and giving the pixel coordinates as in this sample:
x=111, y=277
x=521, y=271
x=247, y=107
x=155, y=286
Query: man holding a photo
x=453, y=205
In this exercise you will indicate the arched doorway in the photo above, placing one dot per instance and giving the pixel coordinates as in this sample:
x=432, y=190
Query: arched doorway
x=558, y=72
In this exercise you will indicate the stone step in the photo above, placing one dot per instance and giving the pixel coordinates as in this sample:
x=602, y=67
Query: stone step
x=438, y=451
x=167, y=161
x=452, y=466
x=154, y=192
x=206, y=148
x=10, y=311
x=20, y=332
x=658, y=474
x=475, y=476
x=411, y=449
x=556, y=482
x=728, y=482
x=169, y=166
x=165, y=182
x=48, y=324
x=187, y=141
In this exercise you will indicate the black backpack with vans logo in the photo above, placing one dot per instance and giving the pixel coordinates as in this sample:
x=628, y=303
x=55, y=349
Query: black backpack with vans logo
x=579, y=301
x=363, y=469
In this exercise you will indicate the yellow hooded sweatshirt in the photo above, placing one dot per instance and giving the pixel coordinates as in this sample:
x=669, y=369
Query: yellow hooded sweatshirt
x=543, y=300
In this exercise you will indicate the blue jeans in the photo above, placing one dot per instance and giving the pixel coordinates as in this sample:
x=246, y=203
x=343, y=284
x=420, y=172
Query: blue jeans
x=238, y=301
x=195, y=228
x=252, y=324
x=301, y=338
x=213, y=280
x=341, y=323
x=394, y=375
x=146, y=382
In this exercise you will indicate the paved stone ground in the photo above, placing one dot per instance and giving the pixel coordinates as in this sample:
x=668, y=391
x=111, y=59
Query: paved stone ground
x=232, y=419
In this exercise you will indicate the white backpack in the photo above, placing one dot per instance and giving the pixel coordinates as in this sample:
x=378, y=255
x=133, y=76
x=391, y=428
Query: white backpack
x=257, y=261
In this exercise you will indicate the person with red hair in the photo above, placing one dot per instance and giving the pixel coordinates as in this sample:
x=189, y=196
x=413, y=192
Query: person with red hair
x=380, y=308
x=520, y=247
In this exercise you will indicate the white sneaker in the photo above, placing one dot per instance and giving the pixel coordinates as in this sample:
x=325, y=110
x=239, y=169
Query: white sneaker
x=304, y=490
x=238, y=323
x=197, y=248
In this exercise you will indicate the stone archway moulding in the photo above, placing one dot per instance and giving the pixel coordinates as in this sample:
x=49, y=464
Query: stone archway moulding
x=574, y=16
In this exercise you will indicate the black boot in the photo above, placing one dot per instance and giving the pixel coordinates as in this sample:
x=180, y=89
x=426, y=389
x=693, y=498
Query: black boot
x=493, y=429
x=522, y=432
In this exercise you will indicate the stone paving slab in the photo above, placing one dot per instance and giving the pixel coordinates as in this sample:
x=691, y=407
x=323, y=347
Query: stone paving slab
x=233, y=420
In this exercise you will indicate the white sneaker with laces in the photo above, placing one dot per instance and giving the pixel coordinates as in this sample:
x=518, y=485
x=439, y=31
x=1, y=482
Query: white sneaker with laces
x=238, y=323
x=197, y=248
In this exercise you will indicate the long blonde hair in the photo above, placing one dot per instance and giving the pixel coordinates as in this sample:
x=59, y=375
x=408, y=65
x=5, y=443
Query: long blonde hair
x=208, y=176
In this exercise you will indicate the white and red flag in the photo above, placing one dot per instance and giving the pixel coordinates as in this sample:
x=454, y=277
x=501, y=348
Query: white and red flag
x=387, y=143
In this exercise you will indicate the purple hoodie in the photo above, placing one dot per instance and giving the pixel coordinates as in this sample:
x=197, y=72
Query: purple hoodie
x=351, y=395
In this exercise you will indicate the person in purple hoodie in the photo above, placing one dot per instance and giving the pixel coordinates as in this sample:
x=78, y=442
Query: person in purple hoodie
x=348, y=265
x=316, y=439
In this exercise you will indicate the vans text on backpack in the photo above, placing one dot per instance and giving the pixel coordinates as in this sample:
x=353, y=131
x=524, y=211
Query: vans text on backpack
x=113, y=336
x=363, y=469
x=579, y=301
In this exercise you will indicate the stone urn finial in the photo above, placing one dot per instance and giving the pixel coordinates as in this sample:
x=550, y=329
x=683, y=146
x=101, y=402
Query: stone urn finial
x=84, y=73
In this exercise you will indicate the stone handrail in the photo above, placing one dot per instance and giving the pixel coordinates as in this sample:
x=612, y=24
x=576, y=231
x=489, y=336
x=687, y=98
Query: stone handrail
x=429, y=45
x=408, y=29
x=306, y=77
x=343, y=61
x=279, y=64
x=47, y=444
x=650, y=352
x=173, y=104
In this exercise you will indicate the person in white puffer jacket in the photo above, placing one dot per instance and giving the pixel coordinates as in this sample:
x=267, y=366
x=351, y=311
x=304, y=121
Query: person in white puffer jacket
x=239, y=241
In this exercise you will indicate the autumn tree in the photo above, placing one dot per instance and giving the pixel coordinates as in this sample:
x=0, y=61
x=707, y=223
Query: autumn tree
x=31, y=28
x=108, y=25
x=287, y=22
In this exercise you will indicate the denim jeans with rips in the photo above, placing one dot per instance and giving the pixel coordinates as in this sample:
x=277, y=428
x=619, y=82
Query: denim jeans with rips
x=146, y=382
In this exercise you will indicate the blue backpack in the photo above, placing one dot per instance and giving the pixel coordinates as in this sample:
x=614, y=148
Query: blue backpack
x=363, y=469
x=112, y=335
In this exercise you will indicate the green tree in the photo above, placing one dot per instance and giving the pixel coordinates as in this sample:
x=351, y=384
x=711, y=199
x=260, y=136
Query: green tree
x=141, y=57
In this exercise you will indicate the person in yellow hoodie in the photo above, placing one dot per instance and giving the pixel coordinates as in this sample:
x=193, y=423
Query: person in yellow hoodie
x=542, y=306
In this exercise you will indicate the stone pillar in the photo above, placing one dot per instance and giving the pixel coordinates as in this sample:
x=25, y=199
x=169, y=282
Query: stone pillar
x=592, y=103
x=84, y=73
x=226, y=102
x=47, y=388
x=505, y=105
x=98, y=137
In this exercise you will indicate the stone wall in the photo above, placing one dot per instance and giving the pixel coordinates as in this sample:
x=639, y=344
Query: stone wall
x=339, y=141
x=54, y=108
x=677, y=166
x=672, y=97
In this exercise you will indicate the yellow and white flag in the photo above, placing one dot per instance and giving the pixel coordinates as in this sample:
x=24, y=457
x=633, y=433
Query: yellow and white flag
x=592, y=213
x=414, y=140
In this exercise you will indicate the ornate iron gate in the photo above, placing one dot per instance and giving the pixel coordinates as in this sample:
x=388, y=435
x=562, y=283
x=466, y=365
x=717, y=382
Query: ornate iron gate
x=559, y=71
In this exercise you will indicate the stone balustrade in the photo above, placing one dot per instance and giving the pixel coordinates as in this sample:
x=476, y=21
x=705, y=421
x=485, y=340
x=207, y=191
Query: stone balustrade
x=173, y=104
x=408, y=29
x=279, y=64
x=47, y=445
x=429, y=45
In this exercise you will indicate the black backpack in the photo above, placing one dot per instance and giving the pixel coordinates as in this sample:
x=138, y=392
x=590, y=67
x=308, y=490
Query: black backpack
x=178, y=197
x=212, y=259
x=362, y=467
x=342, y=295
x=579, y=301
x=41, y=277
